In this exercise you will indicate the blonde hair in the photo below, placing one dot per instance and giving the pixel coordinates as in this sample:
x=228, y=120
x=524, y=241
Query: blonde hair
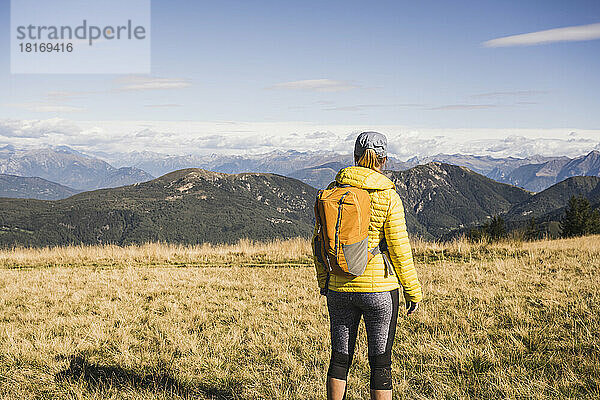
x=369, y=159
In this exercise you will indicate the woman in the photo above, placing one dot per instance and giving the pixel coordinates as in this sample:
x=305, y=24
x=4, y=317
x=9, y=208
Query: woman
x=374, y=294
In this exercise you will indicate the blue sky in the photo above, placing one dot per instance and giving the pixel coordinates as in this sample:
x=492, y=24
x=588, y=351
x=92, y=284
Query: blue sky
x=338, y=66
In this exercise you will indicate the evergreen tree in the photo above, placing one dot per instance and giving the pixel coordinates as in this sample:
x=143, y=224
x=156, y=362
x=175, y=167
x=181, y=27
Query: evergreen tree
x=496, y=229
x=531, y=231
x=593, y=224
x=477, y=235
x=579, y=219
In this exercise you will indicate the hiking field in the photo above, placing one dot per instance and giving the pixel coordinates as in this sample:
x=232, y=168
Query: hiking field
x=512, y=320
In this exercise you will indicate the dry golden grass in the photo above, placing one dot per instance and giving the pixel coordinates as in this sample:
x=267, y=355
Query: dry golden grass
x=499, y=321
x=245, y=252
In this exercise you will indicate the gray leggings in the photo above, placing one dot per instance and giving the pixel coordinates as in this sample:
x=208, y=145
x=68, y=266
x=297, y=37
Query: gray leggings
x=380, y=312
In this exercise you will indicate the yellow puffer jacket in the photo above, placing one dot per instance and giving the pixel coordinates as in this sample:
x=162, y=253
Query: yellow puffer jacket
x=387, y=221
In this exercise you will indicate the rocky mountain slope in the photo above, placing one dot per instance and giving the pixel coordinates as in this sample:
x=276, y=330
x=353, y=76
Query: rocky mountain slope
x=492, y=167
x=32, y=188
x=535, y=177
x=439, y=198
x=538, y=176
x=186, y=206
x=588, y=165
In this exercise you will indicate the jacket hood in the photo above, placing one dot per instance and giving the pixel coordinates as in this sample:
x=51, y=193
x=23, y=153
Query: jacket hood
x=364, y=178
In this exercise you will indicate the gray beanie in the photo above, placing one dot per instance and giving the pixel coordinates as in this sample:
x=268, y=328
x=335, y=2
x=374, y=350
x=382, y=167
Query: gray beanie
x=371, y=140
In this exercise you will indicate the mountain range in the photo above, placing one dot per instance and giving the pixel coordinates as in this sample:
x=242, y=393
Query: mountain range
x=32, y=188
x=279, y=162
x=195, y=206
x=443, y=201
x=80, y=171
x=537, y=177
x=186, y=206
x=547, y=204
x=533, y=173
x=67, y=167
x=440, y=198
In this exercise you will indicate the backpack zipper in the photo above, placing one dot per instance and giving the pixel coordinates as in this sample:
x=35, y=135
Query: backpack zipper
x=337, y=223
x=359, y=219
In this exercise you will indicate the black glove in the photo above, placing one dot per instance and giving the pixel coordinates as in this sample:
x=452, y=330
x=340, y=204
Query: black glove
x=411, y=307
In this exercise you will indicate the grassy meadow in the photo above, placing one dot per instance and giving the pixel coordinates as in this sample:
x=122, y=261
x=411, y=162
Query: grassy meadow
x=512, y=320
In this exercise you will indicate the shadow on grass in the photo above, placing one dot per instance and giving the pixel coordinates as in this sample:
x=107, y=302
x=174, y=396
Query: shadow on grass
x=106, y=376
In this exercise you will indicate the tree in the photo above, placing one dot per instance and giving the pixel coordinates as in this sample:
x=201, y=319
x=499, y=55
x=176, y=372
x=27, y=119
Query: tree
x=477, y=235
x=531, y=231
x=579, y=219
x=493, y=230
x=594, y=222
x=496, y=229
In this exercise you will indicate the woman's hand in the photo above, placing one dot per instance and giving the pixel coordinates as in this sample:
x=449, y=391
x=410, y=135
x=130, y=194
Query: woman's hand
x=411, y=307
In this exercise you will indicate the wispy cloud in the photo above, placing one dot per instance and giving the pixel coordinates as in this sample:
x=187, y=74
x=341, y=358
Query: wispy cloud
x=136, y=83
x=56, y=108
x=464, y=107
x=567, y=34
x=515, y=93
x=317, y=85
x=362, y=107
x=57, y=96
x=162, y=105
x=42, y=107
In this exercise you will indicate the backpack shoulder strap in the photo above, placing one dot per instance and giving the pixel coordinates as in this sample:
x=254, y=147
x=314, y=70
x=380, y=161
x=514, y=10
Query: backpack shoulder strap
x=321, y=253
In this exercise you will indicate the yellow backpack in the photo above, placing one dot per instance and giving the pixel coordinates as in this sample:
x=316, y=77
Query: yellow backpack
x=343, y=214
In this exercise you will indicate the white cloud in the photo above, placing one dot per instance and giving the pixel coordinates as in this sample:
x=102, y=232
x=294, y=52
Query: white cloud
x=317, y=85
x=171, y=105
x=251, y=138
x=56, y=108
x=317, y=135
x=515, y=93
x=61, y=95
x=13, y=128
x=42, y=107
x=522, y=146
x=567, y=34
x=464, y=107
x=364, y=107
x=136, y=82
